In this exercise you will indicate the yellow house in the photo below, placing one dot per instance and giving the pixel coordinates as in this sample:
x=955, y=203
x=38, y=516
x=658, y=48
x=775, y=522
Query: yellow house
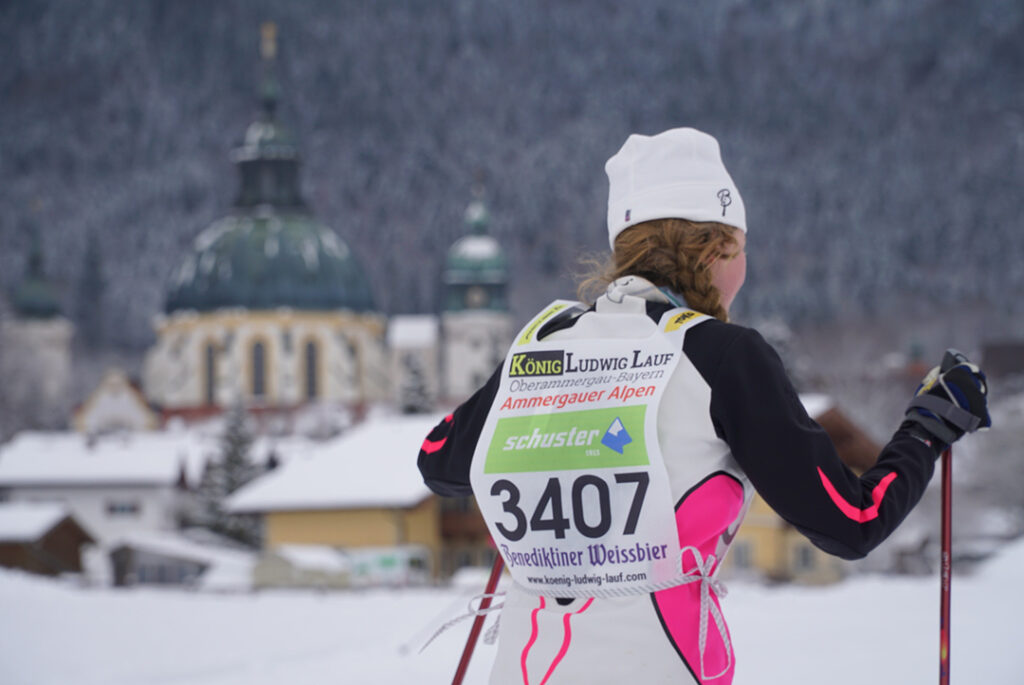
x=767, y=546
x=358, y=491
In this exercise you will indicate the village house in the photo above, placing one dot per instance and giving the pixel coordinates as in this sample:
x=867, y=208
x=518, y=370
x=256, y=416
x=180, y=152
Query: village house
x=114, y=485
x=361, y=492
x=116, y=404
x=41, y=537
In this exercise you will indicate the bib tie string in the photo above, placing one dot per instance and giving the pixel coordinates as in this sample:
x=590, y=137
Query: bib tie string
x=472, y=610
x=703, y=574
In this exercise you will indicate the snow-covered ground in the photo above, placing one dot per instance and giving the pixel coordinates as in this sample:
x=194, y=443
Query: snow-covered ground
x=881, y=630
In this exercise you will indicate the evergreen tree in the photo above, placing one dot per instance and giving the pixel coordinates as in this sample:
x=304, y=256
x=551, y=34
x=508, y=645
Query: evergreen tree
x=223, y=475
x=235, y=444
x=414, y=396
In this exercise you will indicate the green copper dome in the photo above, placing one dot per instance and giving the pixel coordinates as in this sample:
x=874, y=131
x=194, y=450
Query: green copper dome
x=270, y=252
x=477, y=257
x=35, y=297
x=476, y=269
x=266, y=260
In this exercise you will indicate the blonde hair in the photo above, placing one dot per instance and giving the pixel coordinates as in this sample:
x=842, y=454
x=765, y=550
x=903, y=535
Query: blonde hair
x=675, y=253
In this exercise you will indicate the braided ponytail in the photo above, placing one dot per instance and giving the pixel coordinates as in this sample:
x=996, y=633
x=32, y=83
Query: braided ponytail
x=669, y=252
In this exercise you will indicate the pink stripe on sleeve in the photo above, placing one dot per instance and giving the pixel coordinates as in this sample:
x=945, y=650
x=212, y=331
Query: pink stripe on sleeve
x=852, y=512
x=430, y=446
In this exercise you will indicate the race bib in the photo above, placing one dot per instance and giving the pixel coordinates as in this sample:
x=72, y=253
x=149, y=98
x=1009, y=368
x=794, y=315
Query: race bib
x=568, y=473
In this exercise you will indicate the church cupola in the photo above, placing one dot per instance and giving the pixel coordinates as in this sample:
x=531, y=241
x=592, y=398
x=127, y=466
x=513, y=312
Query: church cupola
x=476, y=269
x=35, y=297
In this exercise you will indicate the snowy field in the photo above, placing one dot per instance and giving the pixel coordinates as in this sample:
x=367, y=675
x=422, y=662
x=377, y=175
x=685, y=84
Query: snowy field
x=869, y=629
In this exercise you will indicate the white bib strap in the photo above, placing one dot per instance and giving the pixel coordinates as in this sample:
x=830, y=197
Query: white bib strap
x=702, y=573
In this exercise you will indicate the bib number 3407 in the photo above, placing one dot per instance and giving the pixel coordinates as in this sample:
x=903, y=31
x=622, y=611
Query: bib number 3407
x=592, y=524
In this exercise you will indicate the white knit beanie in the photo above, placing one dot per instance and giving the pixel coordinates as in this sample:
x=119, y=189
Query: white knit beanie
x=677, y=174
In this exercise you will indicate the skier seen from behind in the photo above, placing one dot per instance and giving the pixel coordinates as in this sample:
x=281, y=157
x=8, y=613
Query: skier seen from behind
x=616, y=450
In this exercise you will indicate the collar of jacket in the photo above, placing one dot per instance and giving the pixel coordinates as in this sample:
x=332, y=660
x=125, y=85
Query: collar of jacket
x=632, y=293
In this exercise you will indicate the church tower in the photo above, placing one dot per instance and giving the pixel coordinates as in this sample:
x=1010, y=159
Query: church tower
x=476, y=324
x=35, y=348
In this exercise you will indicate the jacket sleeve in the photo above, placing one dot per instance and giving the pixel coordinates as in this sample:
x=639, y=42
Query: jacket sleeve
x=447, y=452
x=793, y=464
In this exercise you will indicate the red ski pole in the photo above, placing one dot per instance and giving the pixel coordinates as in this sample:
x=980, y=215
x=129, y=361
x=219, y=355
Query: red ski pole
x=478, y=622
x=946, y=569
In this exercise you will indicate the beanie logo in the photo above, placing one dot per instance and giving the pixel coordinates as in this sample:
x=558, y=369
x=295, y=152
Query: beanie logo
x=627, y=214
x=725, y=198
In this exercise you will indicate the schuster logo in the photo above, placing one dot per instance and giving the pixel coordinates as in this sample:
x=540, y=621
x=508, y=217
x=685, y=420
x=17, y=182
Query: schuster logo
x=550, y=363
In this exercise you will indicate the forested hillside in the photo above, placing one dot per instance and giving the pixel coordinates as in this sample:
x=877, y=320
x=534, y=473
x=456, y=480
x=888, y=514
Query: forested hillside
x=879, y=145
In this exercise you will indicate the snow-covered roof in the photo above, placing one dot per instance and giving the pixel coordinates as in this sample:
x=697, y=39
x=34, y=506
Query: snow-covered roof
x=143, y=458
x=413, y=330
x=227, y=568
x=373, y=465
x=174, y=545
x=29, y=521
x=314, y=557
x=816, y=404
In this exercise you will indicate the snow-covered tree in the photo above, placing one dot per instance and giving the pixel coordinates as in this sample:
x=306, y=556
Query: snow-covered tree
x=225, y=473
x=413, y=395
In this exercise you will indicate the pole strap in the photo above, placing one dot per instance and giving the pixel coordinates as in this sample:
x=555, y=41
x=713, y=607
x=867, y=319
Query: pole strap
x=946, y=410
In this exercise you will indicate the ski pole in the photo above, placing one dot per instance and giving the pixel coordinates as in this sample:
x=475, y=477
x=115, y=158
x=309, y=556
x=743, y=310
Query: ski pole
x=946, y=569
x=478, y=622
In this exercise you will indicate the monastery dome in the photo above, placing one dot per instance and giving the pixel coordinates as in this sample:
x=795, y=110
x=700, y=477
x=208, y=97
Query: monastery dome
x=268, y=259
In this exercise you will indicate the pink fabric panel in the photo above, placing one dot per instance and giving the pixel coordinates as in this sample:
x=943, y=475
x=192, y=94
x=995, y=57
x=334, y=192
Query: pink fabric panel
x=707, y=511
x=702, y=517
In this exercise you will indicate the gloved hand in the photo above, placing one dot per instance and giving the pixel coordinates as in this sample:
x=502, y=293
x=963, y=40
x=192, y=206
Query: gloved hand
x=952, y=400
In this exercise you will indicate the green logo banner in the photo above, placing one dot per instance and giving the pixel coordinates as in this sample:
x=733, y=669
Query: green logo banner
x=593, y=439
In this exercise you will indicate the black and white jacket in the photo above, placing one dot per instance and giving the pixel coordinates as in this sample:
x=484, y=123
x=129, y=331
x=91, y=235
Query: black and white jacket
x=730, y=423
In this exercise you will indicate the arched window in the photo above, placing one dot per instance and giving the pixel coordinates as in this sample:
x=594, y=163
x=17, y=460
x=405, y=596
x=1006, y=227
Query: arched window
x=259, y=370
x=311, y=366
x=210, y=371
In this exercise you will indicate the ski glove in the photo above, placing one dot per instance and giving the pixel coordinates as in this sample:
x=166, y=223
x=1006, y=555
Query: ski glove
x=952, y=400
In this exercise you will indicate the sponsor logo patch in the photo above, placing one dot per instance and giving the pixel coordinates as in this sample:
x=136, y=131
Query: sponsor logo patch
x=545, y=363
x=724, y=198
x=590, y=439
x=677, y=321
x=616, y=437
